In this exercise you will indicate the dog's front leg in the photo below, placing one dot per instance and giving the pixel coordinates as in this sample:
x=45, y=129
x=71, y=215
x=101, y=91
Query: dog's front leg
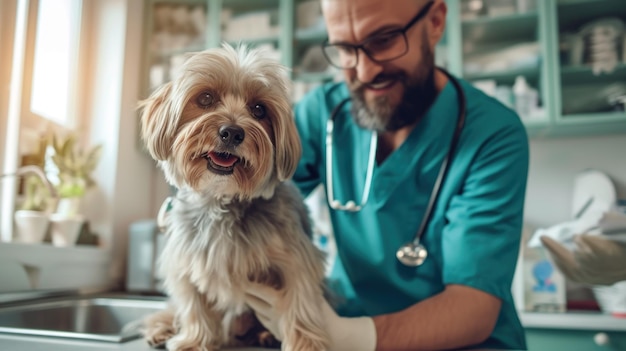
x=303, y=325
x=199, y=324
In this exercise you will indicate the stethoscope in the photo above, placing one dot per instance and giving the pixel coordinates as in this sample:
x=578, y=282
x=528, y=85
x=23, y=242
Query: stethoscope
x=413, y=253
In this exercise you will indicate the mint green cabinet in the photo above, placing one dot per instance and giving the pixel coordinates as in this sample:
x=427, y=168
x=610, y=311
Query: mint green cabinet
x=562, y=49
x=488, y=42
x=171, y=28
x=574, y=340
x=289, y=29
x=574, y=331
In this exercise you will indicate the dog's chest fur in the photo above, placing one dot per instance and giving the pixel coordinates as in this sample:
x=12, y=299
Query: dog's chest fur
x=218, y=246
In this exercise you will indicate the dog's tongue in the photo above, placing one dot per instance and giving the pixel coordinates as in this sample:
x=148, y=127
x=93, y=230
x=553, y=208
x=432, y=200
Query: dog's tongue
x=223, y=159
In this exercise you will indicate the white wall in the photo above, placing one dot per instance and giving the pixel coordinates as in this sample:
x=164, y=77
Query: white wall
x=555, y=162
x=125, y=174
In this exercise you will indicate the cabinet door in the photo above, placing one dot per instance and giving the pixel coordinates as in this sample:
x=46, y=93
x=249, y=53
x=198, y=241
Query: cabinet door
x=591, y=56
x=574, y=340
x=503, y=50
x=310, y=67
x=172, y=28
x=255, y=23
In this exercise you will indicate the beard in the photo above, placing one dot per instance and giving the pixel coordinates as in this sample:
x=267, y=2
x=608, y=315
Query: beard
x=419, y=94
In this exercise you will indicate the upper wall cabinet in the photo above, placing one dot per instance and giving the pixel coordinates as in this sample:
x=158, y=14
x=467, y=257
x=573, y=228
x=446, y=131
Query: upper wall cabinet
x=289, y=30
x=171, y=29
x=561, y=64
x=503, y=53
x=254, y=23
x=591, y=59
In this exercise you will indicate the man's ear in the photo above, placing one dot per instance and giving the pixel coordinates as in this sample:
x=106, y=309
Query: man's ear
x=158, y=126
x=437, y=22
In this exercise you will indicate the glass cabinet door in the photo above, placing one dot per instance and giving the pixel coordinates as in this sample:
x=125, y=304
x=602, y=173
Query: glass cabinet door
x=591, y=58
x=172, y=29
x=503, y=46
x=310, y=67
x=252, y=22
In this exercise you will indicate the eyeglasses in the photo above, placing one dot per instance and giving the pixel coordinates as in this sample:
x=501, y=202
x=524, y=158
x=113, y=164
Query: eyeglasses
x=379, y=48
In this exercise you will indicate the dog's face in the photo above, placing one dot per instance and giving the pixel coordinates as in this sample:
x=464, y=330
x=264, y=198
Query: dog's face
x=225, y=125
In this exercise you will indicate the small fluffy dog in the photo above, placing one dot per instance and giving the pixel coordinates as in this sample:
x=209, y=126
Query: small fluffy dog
x=224, y=135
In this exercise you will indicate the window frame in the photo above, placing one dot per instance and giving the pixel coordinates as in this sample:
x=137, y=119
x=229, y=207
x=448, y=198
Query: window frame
x=17, y=36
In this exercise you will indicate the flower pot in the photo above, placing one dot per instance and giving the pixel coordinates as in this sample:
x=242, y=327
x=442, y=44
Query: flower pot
x=31, y=226
x=68, y=206
x=65, y=230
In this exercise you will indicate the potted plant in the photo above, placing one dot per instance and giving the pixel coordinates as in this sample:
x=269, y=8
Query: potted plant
x=32, y=215
x=73, y=168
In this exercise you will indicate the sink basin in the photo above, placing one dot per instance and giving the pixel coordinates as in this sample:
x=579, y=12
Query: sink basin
x=111, y=319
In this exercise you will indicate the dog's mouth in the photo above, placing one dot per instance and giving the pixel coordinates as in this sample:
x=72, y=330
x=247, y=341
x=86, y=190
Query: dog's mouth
x=222, y=163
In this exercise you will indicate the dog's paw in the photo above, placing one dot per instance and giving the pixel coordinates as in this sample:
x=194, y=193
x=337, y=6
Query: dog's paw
x=179, y=343
x=248, y=331
x=301, y=343
x=158, y=328
x=266, y=339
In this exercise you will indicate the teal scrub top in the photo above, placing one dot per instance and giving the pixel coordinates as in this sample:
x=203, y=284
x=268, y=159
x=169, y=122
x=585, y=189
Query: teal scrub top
x=474, y=234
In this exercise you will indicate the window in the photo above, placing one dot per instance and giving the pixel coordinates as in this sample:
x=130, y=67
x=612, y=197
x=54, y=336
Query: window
x=43, y=39
x=55, y=60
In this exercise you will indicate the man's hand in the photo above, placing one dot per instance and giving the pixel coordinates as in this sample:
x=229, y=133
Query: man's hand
x=345, y=333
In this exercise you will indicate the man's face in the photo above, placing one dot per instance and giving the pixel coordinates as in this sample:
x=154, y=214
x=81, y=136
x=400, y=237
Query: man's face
x=391, y=95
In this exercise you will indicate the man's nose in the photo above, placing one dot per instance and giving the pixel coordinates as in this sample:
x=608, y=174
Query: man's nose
x=366, y=69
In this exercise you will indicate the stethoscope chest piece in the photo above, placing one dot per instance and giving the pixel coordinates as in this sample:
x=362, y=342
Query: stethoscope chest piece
x=412, y=254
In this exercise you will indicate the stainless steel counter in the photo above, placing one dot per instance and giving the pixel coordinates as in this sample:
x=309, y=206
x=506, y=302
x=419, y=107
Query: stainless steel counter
x=37, y=343
x=77, y=323
x=8, y=342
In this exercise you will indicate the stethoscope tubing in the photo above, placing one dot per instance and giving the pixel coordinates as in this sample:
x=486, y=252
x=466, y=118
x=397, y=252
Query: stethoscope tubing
x=351, y=205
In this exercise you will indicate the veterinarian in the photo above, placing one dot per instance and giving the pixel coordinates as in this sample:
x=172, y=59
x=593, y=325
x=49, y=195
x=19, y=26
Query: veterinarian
x=451, y=288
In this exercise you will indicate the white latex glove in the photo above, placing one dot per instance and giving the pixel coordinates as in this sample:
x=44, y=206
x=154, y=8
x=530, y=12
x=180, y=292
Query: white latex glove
x=346, y=334
x=595, y=260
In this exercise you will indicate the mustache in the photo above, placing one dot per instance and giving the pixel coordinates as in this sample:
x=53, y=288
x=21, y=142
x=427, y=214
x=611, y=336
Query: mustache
x=358, y=86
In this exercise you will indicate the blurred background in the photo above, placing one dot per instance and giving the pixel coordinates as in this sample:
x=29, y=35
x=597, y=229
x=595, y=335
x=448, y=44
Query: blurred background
x=73, y=71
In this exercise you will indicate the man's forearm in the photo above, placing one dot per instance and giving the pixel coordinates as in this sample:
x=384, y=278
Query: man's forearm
x=459, y=316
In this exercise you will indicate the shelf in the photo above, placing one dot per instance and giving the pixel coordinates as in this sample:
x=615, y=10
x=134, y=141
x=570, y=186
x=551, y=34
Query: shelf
x=181, y=2
x=256, y=41
x=170, y=53
x=574, y=14
x=308, y=37
x=573, y=320
x=502, y=20
x=506, y=27
x=586, y=127
x=248, y=5
x=585, y=75
x=311, y=77
x=536, y=122
x=44, y=266
x=600, y=117
x=506, y=76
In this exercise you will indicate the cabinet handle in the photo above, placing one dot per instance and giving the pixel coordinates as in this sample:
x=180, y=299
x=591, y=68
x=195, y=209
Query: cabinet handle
x=601, y=339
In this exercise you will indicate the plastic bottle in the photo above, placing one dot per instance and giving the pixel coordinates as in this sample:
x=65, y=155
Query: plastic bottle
x=525, y=97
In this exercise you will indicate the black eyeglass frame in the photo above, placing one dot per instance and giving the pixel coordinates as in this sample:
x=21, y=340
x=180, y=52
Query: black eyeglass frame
x=402, y=31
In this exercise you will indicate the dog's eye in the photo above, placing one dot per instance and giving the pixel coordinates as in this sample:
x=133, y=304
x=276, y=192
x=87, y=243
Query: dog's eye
x=258, y=111
x=205, y=99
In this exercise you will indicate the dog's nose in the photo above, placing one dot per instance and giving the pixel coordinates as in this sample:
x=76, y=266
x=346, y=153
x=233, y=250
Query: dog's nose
x=231, y=135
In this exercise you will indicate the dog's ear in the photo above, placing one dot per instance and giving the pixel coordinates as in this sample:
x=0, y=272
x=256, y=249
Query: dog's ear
x=157, y=126
x=288, y=148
